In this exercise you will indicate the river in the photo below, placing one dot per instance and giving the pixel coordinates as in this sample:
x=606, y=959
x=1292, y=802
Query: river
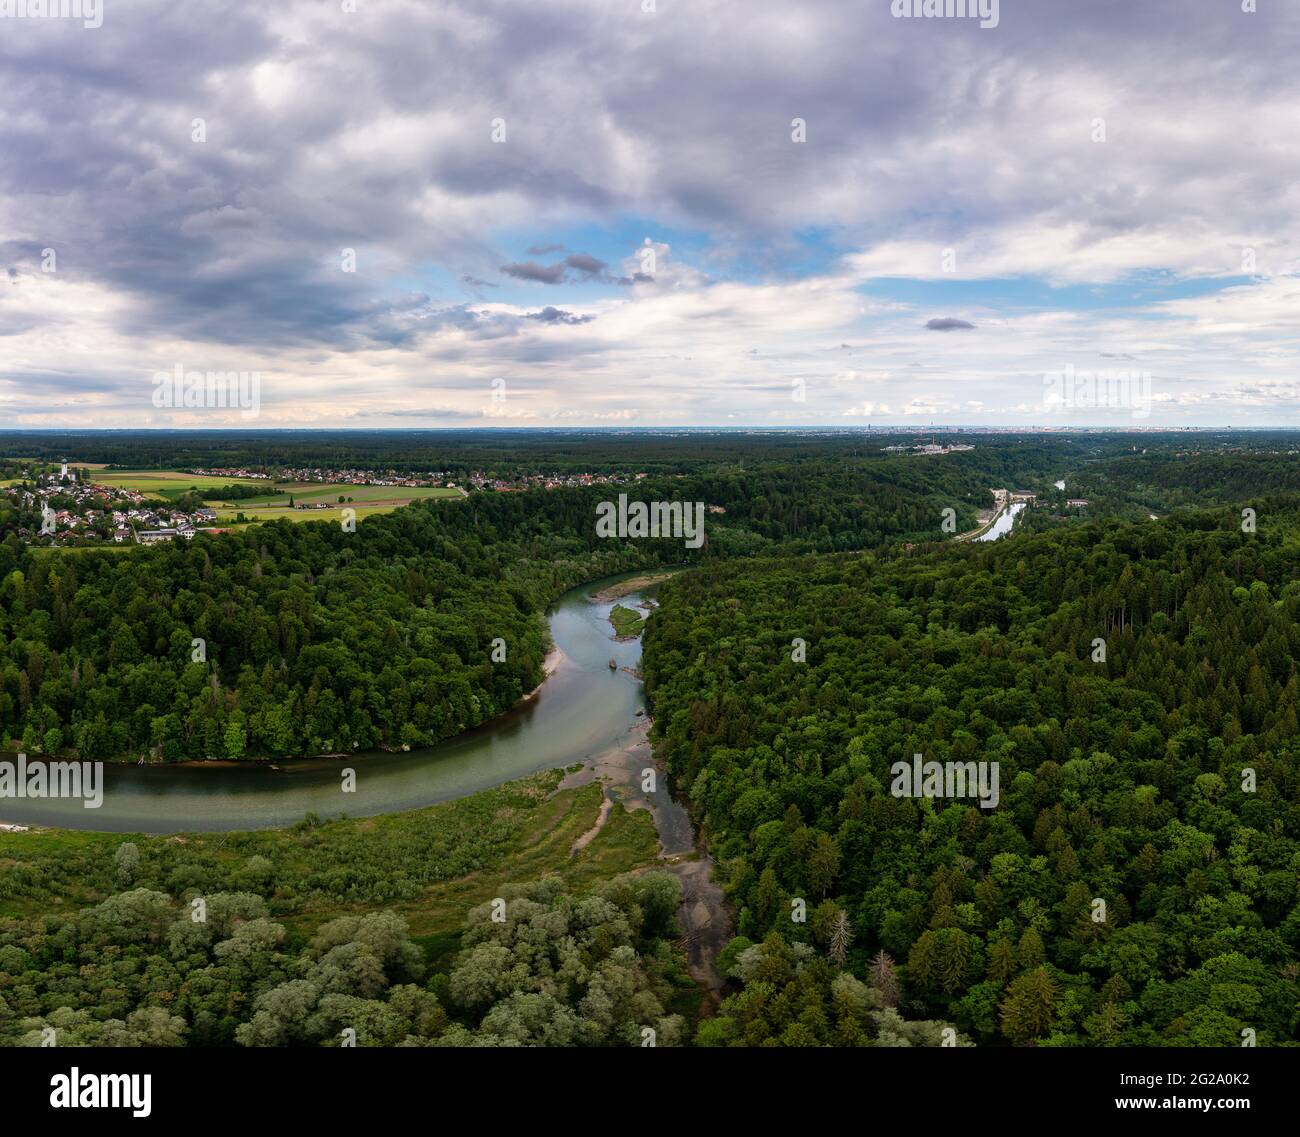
x=1002, y=526
x=582, y=710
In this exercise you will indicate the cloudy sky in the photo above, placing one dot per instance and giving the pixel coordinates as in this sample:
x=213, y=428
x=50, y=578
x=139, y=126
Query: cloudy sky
x=584, y=212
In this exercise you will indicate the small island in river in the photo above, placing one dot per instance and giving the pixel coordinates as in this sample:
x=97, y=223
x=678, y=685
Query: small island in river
x=627, y=622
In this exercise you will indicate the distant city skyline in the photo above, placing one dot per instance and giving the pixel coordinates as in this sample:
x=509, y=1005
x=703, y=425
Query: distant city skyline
x=761, y=216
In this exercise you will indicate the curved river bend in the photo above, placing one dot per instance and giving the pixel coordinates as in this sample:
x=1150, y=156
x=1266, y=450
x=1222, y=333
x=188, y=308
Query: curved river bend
x=582, y=710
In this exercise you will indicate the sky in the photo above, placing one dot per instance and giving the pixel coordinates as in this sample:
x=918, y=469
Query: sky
x=416, y=213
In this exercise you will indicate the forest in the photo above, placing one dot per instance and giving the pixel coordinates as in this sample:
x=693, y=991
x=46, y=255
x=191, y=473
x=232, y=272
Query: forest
x=504, y=452
x=1132, y=681
x=556, y=970
x=301, y=638
x=1136, y=686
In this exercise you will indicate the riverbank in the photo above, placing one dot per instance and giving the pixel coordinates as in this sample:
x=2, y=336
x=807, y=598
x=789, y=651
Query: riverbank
x=554, y=659
x=626, y=587
x=624, y=775
x=983, y=527
x=550, y=665
x=429, y=864
x=581, y=707
x=593, y=811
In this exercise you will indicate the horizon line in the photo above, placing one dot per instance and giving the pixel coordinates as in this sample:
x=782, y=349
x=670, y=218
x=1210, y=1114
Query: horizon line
x=885, y=428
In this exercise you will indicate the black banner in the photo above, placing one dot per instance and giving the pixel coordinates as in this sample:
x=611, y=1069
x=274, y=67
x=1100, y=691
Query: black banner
x=1047, y=1086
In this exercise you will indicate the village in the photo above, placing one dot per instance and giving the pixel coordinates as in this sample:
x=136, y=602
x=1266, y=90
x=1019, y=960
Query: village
x=320, y=474
x=477, y=479
x=69, y=509
x=549, y=481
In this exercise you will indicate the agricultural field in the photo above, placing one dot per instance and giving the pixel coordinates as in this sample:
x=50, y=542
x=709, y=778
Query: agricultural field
x=314, y=493
x=227, y=514
x=366, y=500
x=166, y=485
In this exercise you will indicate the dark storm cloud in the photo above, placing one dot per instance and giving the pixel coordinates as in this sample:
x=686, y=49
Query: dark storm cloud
x=587, y=267
x=948, y=324
x=586, y=264
x=552, y=315
x=532, y=271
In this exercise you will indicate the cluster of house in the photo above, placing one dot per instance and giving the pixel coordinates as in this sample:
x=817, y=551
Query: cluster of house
x=124, y=514
x=182, y=526
x=548, y=481
x=478, y=479
x=330, y=477
x=1003, y=498
x=144, y=525
x=232, y=472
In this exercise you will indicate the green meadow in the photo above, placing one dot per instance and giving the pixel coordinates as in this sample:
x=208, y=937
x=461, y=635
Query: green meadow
x=313, y=493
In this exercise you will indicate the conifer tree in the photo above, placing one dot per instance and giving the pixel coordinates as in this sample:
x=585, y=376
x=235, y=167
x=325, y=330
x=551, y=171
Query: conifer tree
x=1030, y=1006
x=841, y=939
x=884, y=978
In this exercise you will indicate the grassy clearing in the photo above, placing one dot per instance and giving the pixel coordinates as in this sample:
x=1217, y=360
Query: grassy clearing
x=437, y=919
x=105, y=547
x=168, y=485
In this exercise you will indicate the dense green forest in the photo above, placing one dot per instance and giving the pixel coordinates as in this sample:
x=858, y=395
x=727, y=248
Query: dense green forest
x=315, y=639
x=1133, y=683
x=498, y=452
x=558, y=970
x=1161, y=780
x=1167, y=479
x=318, y=640
x=511, y=451
x=411, y=929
